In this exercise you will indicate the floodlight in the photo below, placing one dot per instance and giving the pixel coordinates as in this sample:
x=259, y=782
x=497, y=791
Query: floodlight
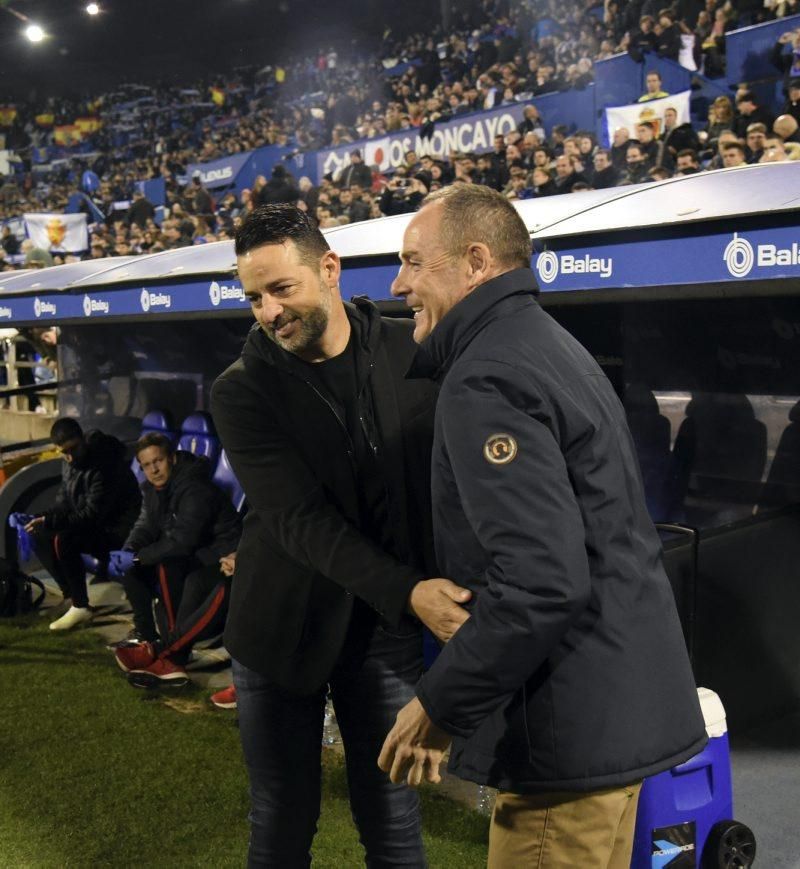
x=93, y=9
x=34, y=33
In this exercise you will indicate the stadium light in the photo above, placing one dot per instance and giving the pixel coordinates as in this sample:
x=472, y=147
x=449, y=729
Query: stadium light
x=34, y=33
x=93, y=9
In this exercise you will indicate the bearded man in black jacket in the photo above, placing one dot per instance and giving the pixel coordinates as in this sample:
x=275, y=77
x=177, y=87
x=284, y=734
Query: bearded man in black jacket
x=332, y=446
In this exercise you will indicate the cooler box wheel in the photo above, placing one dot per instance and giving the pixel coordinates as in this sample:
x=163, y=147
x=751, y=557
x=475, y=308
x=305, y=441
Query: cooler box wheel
x=729, y=845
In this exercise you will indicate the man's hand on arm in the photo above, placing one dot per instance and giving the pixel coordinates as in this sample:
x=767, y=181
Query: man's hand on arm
x=436, y=603
x=415, y=746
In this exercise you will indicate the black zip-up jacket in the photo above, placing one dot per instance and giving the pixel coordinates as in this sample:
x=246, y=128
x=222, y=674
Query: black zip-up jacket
x=303, y=555
x=571, y=673
x=190, y=517
x=98, y=493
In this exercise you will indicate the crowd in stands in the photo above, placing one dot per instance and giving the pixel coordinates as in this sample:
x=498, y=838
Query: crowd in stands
x=496, y=53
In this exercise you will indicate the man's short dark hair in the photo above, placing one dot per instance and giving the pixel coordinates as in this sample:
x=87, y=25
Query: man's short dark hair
x=603, y=151
x=747, y=97
x=275, y=224
x=65, y=429
x=155, y=439
x=734, y=146
x=649, y=124
x=474, y=213
x=687, y=152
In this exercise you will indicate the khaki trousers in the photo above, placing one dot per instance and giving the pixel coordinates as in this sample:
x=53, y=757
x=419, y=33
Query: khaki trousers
x=564, y=830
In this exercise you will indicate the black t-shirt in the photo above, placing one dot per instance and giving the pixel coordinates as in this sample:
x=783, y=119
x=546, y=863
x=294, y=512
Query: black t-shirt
x=337, y=380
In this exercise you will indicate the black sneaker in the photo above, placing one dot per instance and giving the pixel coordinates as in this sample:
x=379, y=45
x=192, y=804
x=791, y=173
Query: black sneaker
x=132, y=638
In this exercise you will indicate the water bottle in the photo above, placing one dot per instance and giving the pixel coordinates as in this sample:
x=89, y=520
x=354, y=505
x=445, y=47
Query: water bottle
x=330, y=732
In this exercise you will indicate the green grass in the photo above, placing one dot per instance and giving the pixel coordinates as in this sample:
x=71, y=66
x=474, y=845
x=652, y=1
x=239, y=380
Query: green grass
x=95, y=773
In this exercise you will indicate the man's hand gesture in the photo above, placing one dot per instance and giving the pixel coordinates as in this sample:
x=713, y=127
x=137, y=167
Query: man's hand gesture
x=414, y=747
x=436, y=603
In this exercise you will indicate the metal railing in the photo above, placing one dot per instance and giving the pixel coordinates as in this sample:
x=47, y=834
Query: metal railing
x=16, y=397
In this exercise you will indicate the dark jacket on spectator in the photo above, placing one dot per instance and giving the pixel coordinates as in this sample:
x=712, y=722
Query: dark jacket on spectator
x=99, y=492
x=760, y=115
x=279, y=188
x=190, y=516
x=140, y=212
x=558, y=680
x=605, y=178
x=669, y=42
x=303, y=556
x=391, y=204
x=356, y=173
x=681, y=137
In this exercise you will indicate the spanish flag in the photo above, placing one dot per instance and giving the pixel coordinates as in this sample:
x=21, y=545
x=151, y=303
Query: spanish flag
x=218, y=96
x=7, y=115
x=87, y=126
x=45, y=119
x=67, y=135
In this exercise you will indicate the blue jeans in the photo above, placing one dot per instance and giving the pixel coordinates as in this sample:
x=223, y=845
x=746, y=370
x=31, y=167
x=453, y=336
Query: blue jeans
x=282, y=736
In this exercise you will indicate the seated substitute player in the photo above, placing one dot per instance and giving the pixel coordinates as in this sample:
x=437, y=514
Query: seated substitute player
x=95, y=507
x=201, y=614
x=186, y=524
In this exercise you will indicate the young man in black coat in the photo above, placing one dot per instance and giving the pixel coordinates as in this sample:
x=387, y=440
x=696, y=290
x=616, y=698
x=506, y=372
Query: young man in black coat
x=570, y=682
x=174, y=555
x=96, y=504
x=332, y=446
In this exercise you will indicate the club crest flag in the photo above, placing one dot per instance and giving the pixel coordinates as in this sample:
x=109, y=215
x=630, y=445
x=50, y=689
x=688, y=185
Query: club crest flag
x=652, y=110
x=63, y=233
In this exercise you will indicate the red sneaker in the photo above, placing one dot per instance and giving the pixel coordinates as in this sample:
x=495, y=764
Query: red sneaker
x=135, y=657
x=160, y=672
x=225, y=699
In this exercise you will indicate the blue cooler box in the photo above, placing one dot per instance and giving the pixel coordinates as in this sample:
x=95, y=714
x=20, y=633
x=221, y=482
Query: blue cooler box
x=685, y=816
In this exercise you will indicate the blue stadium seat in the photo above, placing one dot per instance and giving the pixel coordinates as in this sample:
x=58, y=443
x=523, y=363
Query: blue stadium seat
x=226, y=480
x=198, y=437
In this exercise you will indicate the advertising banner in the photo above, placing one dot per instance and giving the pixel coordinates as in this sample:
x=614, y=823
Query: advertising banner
x=219, y=173
x=652, y=110
x=471, y=133
x=763, y=254
x=62, y=233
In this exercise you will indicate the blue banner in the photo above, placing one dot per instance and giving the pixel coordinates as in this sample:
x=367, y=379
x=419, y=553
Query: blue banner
x=472, y=133
x=695, y=260
x=748, y=50
x=179, y=299
x=220, y=173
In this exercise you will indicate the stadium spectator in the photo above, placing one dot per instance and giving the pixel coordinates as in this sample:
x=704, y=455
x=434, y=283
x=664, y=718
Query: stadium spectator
x=787, y=61
x=792, y=104
x=733, y=155
x=95, y=507
x=141, y=210
x=655, y=152
x=654, y=90
x=754, y=142
x=687, y=162
x=9, y=241
x=532, y=123
x=750, y=111
x=357, y=172
x=668, y=36
x=605, y=174
x=543, y=183
x=185, y=524
x=642, y=40
x=774, y=151
x=619, y=148
x=403, y=195
x=720, y=117
x=637, y=165
x=678, y=137
x=786, y=126
x=566, y=176
x=278, y=190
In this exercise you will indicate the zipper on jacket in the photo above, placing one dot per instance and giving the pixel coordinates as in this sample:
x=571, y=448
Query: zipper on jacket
x=351, y=449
